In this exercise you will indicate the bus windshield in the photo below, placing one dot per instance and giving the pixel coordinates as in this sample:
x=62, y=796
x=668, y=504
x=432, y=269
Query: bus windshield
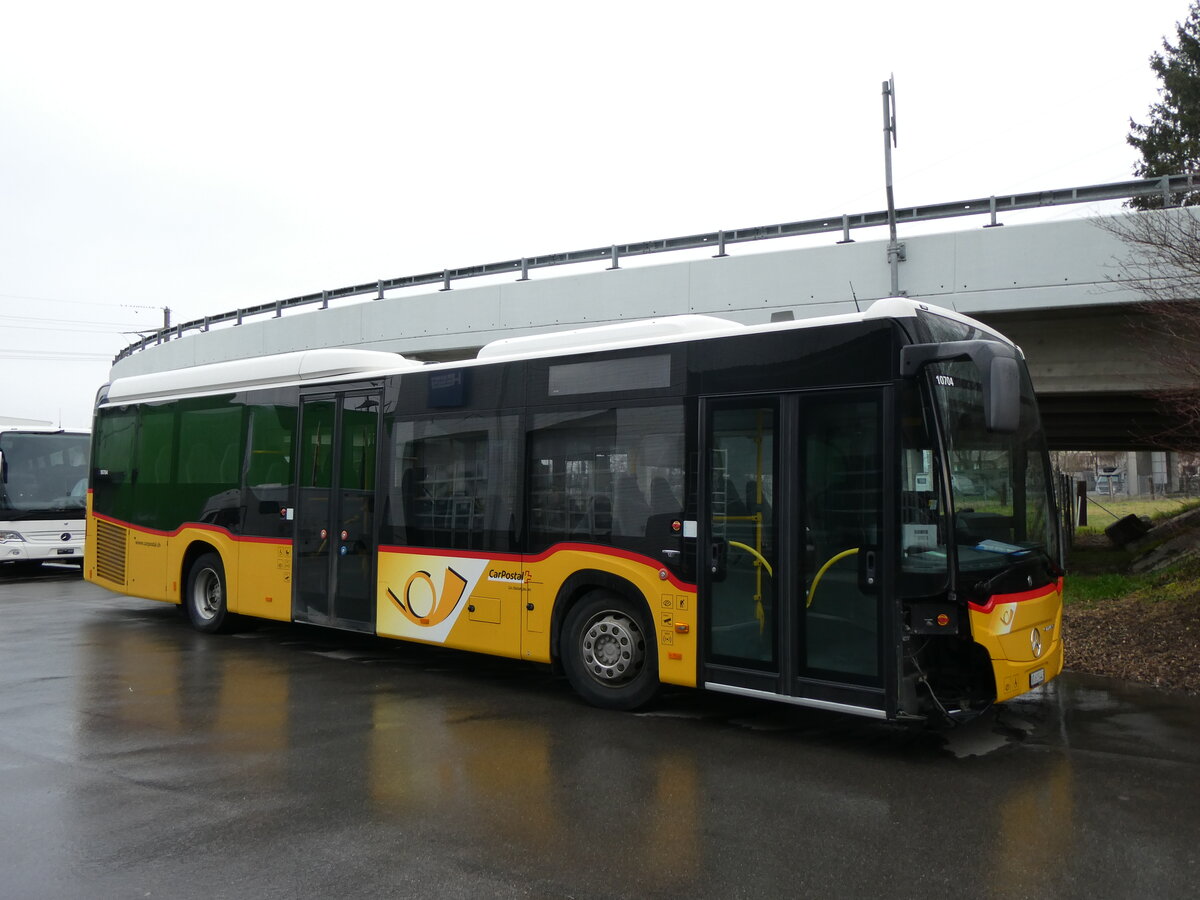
x=1001, y=495
x=42, y=474
x=995, y=520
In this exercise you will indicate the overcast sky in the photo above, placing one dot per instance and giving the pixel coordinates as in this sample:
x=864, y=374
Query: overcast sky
x=215, y=155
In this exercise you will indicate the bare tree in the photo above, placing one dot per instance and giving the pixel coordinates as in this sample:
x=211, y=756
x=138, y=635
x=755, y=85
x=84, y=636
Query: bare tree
x=1164, y=267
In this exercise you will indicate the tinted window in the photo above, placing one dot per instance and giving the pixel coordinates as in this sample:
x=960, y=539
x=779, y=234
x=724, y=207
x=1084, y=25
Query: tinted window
x=632, y=374
x=269, y=470
x=210, y=443
x=113, y=462
x=271, y=430
x=611, y=476
x=454, y=483
x=154, y=461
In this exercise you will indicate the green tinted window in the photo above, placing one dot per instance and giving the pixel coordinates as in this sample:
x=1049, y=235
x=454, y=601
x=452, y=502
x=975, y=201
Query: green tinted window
x=358, y=446
x=271, y=430
x=114, y=440
x=155, y=445
x=209, y=446
x=112, y=487
x=153, y=489
x=316, y=445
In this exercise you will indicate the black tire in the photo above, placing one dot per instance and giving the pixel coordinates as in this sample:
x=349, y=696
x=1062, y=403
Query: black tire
x=609, y=653
x=204, y=599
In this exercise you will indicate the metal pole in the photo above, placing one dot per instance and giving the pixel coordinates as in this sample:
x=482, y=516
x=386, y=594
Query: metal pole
x=895, y=250
x=992, y=207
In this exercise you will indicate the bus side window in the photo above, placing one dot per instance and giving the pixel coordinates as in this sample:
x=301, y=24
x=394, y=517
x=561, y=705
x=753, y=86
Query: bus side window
x=454, y=484
x=604, y=475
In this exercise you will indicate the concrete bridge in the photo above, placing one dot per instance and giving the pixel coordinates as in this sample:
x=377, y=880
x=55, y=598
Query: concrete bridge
x=1059, y=289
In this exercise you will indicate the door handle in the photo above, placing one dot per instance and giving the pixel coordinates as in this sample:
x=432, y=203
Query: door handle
x=717, y=559
x=868, y=572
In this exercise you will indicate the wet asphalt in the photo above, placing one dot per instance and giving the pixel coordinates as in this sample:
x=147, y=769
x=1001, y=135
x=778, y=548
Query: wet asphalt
x=139, y=758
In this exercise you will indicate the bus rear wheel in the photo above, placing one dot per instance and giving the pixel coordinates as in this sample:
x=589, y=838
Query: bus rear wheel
x=205, y=596
x=609, y=653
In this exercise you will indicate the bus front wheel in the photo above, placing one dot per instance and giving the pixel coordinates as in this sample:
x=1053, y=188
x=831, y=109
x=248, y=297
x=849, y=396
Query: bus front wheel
x=205, y=598
x=609, y=653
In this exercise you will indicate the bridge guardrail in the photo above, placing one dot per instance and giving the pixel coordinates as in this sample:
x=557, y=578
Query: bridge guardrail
x=1168, y=186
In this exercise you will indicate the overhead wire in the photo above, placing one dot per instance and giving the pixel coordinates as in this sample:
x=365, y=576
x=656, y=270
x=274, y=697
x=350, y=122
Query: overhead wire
x=7, y=317
x=78, y=302
x=55, y=355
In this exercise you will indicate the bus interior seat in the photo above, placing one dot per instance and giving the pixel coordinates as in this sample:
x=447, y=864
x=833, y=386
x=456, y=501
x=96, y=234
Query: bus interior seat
x=629, y=509
x=227, y=473
x=162, y=466
x=602, y=516
x=662, y=498
x=194, y=466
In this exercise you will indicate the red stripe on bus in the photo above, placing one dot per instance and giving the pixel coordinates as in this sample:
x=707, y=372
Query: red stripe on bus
x=543, y=556
x=199, y=526
x=422, y=551
x=1035, y=594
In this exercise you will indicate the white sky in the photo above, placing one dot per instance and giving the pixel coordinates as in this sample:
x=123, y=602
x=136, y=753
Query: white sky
x=216, y=155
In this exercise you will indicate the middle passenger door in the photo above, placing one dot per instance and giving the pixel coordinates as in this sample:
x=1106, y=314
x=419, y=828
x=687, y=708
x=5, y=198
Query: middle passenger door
x=335, y=539
x=792, y=548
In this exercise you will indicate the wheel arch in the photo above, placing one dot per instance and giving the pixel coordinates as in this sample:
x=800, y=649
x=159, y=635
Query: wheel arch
x=579, y=585
x=194, y=551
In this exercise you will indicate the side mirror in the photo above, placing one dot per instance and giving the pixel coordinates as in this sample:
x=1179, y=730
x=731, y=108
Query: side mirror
x=999, y=372
x=1002, y=395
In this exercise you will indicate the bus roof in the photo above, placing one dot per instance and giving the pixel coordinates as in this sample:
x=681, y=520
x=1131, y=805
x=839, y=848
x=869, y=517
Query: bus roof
x=334, y=364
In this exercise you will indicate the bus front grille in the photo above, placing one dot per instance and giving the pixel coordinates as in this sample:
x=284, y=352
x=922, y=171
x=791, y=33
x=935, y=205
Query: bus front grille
x=110, y=552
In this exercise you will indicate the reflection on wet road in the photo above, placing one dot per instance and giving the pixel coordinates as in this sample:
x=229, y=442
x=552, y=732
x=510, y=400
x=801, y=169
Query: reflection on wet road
x=139, y=758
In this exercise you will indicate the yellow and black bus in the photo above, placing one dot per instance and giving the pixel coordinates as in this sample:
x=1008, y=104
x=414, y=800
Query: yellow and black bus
x=852, y=513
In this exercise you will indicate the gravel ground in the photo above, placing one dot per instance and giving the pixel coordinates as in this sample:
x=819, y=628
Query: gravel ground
x=1157, y=642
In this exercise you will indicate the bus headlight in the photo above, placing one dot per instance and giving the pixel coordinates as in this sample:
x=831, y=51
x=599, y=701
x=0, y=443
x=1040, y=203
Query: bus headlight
x=6, y=536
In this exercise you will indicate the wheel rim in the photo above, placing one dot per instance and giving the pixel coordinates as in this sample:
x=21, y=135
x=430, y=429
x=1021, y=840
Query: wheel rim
x=206, y=594
x=613, y=648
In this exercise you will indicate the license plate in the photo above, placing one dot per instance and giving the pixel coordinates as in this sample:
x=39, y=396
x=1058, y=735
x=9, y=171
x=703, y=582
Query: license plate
x=1036, y=677
x=65, y=551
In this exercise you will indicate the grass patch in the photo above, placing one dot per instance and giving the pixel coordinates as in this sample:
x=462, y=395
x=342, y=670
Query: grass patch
x=1088, y=586
x=1102, y=512
x=1104, y=586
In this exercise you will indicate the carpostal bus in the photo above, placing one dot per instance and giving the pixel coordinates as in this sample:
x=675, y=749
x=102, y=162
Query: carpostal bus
x=43, y=493
x=852, y=513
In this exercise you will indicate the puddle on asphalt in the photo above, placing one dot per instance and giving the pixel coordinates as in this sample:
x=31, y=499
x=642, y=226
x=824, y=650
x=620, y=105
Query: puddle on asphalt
x=986, y=734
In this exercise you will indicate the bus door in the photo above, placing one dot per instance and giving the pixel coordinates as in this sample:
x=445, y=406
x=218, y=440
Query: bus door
x=792, y=525
x=335, y=537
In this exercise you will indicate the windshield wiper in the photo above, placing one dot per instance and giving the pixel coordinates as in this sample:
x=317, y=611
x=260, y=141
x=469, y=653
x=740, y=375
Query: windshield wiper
x=1019, y=572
